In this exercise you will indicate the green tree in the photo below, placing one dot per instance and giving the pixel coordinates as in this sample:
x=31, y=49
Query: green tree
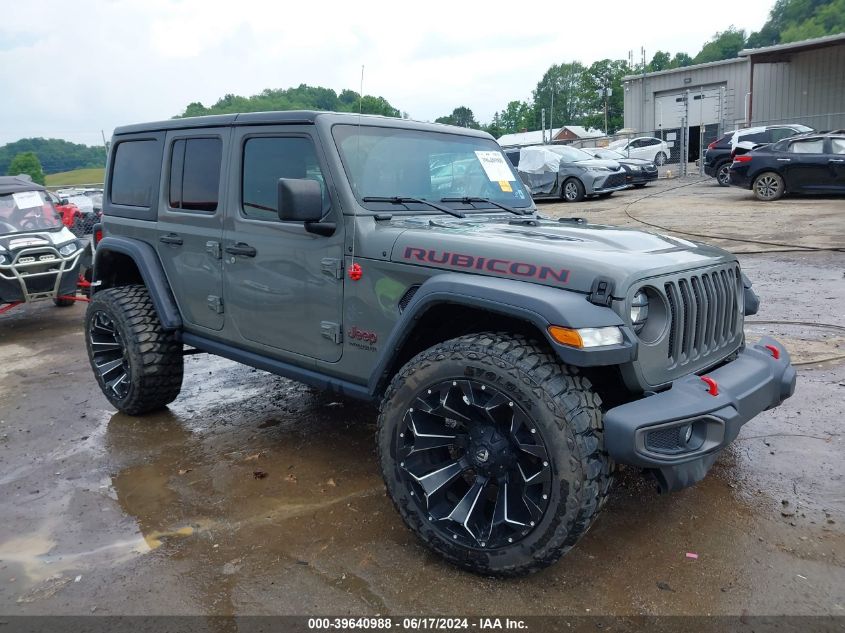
x=27, y=163
x=599, y=77
x=564, y=80
x=660, y=61
x=302, y=97
x=55, y=154
x=680, y=60
x=723, y=45
x=517, y=116
x=462, y=117
x=793, y=20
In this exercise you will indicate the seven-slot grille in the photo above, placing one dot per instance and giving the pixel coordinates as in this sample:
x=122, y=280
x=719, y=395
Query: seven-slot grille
x=704, y=313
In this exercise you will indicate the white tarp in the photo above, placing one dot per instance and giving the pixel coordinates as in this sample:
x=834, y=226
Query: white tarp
x=538, y=160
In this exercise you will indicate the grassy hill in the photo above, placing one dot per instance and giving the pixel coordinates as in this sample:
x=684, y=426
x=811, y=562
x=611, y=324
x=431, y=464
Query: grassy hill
x=89, y=176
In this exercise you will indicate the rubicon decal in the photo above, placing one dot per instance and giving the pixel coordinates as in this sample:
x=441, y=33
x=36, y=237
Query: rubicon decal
x=493, y=265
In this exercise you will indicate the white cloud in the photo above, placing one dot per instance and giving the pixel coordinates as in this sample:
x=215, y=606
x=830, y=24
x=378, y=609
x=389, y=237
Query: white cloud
x=71, y=69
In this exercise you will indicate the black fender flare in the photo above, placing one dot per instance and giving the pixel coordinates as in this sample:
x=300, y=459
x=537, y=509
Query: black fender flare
x=152, y=272
x=539, y=305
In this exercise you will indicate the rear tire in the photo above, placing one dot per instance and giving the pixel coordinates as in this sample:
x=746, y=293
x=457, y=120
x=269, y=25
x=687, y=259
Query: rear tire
x=488, y=414
x=723, y=174
x=572, y=190
x=137, y=363
x=768, y=186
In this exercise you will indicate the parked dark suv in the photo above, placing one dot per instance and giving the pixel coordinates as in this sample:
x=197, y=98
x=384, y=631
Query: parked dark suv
x=808, y=163
x=515, y=359
x=718, y=155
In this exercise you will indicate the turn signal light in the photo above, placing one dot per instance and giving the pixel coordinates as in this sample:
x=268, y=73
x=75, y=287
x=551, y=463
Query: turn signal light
x=566, y=336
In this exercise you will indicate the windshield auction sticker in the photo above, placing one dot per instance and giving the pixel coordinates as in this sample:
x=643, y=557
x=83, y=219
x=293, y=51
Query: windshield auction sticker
x=27, y=199
x=494, y=166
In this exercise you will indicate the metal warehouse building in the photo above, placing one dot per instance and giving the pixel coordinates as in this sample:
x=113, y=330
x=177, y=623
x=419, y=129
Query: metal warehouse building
x=801, y=82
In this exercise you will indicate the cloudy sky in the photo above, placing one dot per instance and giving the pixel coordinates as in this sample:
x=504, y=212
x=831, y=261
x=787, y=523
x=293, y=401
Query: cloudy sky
x=71, y=68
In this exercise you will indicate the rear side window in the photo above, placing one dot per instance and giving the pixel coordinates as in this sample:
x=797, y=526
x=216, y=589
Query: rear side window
x=137, y=165
x=266, y=159
x=810, y=146
x=195, y=174
x=837, y=145
x=780, y=133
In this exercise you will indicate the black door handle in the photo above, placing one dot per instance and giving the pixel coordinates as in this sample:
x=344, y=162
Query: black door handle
x=241, y=249
x=171, y=238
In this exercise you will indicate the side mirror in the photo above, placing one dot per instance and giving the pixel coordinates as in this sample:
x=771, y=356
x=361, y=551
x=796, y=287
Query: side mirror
x=300, y=200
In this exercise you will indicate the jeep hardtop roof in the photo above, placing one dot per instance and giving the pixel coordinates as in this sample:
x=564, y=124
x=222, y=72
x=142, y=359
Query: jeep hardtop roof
x=291, y=117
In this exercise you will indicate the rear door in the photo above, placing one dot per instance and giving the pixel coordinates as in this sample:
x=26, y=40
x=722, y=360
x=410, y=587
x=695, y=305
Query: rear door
x=836, y=162
x=190, y=223
x=283, y=285
x=806, y=167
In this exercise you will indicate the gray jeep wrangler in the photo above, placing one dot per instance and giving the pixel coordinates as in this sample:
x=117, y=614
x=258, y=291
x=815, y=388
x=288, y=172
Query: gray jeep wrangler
x=516, y=359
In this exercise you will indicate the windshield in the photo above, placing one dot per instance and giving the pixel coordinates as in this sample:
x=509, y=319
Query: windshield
x=571, y=154
x=383, y=162
x=27, y=211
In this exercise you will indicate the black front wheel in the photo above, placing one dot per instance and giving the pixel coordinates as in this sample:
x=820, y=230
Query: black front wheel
x=138, y=364
x=492, y=453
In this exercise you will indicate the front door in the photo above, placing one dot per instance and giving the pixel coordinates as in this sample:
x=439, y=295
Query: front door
x=283, y=285
x=190, y=223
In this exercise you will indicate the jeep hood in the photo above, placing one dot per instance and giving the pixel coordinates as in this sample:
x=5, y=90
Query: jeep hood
x=568, y=254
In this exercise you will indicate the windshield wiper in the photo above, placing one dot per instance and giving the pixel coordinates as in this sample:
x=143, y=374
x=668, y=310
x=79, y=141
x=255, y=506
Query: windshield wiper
x=406, y=199
x=471, y=199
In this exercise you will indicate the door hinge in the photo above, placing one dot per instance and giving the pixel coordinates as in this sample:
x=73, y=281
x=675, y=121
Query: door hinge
x=215, y=304
x=332, y=267
x=213, y=249
x=332, y=331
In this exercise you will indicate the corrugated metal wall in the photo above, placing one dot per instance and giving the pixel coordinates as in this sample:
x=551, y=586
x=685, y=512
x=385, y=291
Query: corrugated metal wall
x=808, y=89
x=733, y=74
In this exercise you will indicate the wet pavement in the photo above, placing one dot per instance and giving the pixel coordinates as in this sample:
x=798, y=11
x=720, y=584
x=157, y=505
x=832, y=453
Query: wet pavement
x=255, y=495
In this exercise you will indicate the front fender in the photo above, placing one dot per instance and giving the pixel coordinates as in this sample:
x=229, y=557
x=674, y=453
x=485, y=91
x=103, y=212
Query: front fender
x=151, y=270
x=541, y=306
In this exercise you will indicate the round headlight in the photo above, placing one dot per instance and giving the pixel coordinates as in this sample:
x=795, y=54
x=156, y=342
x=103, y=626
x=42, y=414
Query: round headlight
x=639, y=311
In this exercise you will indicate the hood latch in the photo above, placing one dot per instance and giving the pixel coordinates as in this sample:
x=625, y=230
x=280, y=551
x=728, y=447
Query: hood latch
x=601, y=292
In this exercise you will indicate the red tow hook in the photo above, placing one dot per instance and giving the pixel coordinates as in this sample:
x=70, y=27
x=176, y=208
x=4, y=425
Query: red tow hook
x=774, y=350
x=712, y=387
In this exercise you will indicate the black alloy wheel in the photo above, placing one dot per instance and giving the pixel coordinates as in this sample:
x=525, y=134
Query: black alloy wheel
x=475, y=463
x=108, y=355
x=723, y=174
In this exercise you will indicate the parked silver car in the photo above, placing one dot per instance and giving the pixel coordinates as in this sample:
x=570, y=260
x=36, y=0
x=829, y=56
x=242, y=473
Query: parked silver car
x=568, y=173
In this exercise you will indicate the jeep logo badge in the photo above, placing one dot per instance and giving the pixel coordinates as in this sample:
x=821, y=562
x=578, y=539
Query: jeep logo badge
x=482, y=455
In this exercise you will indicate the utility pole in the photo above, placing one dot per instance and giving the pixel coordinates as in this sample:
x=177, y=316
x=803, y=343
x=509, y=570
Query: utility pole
x=543, y=123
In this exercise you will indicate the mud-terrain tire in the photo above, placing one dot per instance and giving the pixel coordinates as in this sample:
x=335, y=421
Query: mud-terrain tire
x=511, y=382
x=768, y=186
x=723, y=174
x=63, y=302
x=137, y=363
x=572, y=190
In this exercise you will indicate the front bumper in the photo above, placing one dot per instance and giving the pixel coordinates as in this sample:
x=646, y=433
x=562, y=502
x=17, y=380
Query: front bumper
x=615, y=181
x=40, y=272
x=651, y=433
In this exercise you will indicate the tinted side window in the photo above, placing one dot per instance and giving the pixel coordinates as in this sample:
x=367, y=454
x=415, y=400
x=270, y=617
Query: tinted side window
x=265, y=160
x=837, y=145
x=195, y=174
x=781, y=133
x=135, y=172
x=759, y=137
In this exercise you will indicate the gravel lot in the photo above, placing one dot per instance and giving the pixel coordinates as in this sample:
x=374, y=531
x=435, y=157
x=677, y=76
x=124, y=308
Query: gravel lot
x=109, y=514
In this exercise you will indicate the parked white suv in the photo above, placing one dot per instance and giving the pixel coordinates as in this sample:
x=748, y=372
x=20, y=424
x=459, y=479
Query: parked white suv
x=646, y=147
